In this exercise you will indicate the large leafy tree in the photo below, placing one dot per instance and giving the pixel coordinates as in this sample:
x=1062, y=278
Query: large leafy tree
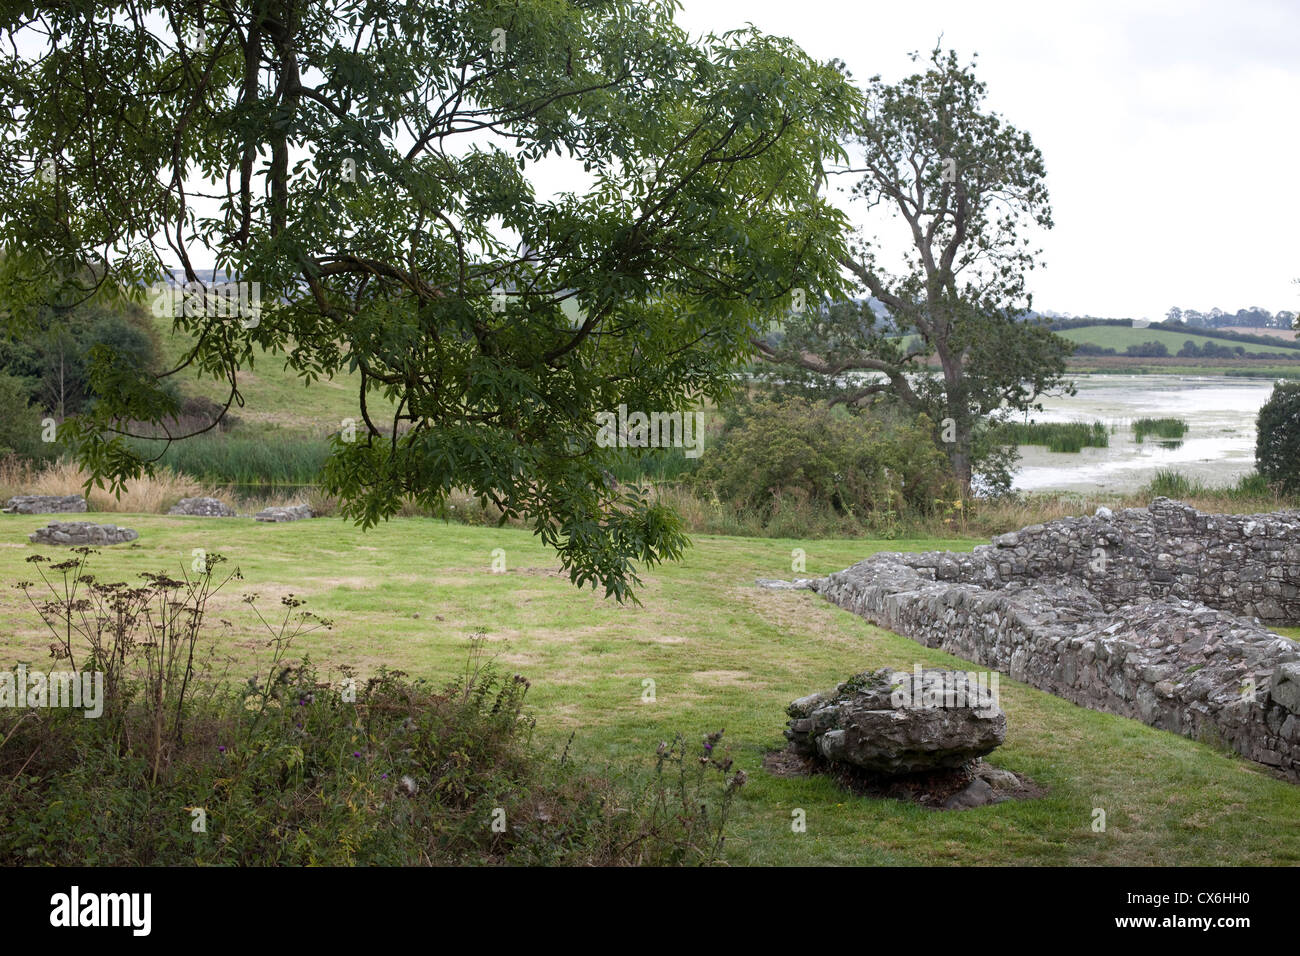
x=962, y=187
x=368, y=163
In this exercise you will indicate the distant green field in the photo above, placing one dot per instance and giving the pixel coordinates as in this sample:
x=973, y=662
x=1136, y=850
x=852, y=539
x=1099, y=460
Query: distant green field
x=275, y=396
x=1119, y=338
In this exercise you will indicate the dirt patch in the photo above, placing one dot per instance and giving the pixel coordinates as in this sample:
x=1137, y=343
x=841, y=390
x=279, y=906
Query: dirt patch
x=726, y=678
x=932, y=789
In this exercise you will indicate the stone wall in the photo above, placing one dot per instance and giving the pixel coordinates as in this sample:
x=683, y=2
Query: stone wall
x=82, y=534
x=45, y=504
x=1148, y=613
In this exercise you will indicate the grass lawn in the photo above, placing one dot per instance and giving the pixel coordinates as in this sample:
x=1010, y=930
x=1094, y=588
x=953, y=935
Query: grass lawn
x=722, y=654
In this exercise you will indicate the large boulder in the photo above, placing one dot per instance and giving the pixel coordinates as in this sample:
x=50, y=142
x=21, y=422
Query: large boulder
x=45, y=504
x=285, y=513
x=892, y=722
x=203, y=508
x=74, y=533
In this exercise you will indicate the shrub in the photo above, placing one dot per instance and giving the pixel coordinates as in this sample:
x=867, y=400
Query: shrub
x=809, y=452
x=1277, y=443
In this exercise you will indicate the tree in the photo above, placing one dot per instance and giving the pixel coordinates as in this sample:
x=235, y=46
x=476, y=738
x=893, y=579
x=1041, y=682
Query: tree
x=366, y=163
x=1174, y=314
x=1277, y=441
x=965, y=185
x=20, y=423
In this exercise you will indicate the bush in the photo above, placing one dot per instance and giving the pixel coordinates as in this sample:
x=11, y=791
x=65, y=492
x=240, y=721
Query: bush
x=1277, y=443
x=809, y=452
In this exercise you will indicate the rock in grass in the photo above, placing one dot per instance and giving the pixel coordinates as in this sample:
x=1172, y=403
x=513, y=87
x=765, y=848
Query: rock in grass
x=892, y=722
x=285, y=513
x=75, y=533
x=977, y=794
x=202, y=507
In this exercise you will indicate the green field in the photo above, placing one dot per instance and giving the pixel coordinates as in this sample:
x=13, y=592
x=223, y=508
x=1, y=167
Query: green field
x=722, y=654
x=274, y=397
x=1119, y=338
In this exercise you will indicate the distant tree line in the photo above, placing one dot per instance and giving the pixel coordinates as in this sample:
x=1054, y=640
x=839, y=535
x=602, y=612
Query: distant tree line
x=1253, y=318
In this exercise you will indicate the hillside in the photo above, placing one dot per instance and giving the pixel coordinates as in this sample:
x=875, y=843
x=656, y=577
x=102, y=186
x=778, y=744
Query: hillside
x=275, y=397
x=1121, y=337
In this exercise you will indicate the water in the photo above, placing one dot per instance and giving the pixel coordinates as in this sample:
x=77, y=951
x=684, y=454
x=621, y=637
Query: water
x=1218, y=448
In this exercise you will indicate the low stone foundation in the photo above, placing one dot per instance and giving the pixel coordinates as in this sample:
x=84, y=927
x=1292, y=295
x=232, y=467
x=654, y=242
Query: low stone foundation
x=82, y=533
x=45, y=504
x=203, y=508
x=1153, y=613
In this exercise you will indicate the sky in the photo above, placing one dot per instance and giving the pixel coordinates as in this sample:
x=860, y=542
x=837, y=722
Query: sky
x=1169, y=131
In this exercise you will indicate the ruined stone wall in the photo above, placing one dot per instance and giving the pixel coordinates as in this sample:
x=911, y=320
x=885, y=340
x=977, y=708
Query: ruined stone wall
x=1245, y=564
x=1145, y=613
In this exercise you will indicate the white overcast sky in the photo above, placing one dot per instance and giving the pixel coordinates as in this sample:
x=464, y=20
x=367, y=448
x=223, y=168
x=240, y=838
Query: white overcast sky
x=1169, y=131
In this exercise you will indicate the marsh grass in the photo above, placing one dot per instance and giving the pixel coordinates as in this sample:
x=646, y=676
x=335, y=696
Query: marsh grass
x=1170, y=429
x=1057, y=436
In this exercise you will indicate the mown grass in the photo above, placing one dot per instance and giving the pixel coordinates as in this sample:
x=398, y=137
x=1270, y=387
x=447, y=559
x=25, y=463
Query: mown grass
x=1058, y=436
x=721, y=654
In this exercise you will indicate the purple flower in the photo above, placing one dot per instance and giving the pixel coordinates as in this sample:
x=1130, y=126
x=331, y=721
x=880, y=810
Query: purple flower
x=383, y=776
x=356, y=753
x=221, y=750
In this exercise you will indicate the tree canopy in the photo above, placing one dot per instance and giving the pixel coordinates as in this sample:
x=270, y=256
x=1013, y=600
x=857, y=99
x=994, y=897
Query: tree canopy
x=368, y=163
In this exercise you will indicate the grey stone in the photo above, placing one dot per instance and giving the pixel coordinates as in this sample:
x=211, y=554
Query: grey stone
x=77, y=533
x=977, y=794
x=999, y=779
x=45, y=504
x=285, y=513
x=798, y=584
x=875, y=721
x=202, y=507
x=1285, y=686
